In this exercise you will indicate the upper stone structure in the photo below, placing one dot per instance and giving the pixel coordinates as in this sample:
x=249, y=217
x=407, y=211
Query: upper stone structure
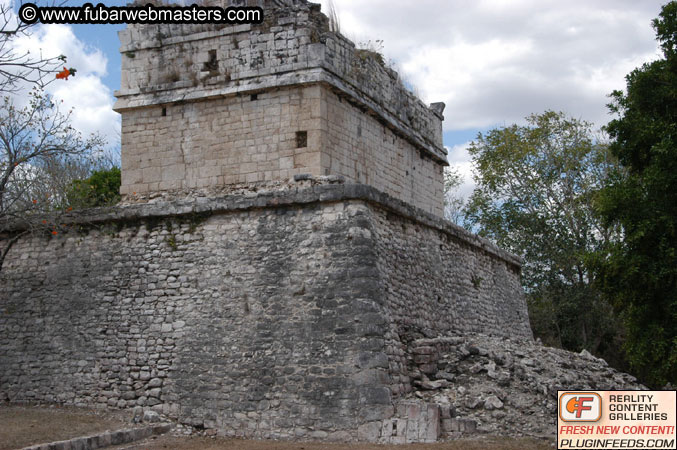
x=212, y=105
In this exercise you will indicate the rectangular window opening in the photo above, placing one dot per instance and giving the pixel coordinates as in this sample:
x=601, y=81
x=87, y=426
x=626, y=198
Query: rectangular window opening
x=254, y=97
x=164, y=112
x=212, y=63
x=301, y=139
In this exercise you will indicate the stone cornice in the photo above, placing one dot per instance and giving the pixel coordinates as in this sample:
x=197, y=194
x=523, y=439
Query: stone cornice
x=293, y=197
x=133, y=99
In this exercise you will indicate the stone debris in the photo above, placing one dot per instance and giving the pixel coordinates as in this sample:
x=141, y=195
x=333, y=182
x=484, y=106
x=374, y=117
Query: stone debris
x=279, y=267
x=504, y=386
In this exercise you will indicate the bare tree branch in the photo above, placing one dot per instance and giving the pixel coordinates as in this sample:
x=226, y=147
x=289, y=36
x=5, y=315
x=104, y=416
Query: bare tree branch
x=40, y=156
x=21, y=68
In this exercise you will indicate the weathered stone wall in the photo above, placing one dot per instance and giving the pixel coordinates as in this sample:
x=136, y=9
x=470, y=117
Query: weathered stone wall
x=263, y=315
x=210, y=105
x=224, y=141
x=245, y=322
x=238, y=139
x=435, y=284
x=363, y=150
x=455, y=285
x=167, y=63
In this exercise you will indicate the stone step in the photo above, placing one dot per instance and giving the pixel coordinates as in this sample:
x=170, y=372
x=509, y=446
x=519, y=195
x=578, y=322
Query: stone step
x=105, y=439
x=458, y=425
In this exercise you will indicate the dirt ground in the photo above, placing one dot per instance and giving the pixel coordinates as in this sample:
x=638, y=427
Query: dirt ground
x=21, y=426
x=199, y=443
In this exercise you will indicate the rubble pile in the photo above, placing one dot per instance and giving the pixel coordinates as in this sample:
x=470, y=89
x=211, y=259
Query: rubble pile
x=501, y=386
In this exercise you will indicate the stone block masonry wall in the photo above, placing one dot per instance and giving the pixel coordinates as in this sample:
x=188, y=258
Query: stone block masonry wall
x=275, y=314
x=243, y=140
x=363, y=150
x=254, y=323
x=225, y=141
x=435, y=282
x=213, y=105
x=159, y=60
x=366, y=72
x=167, y=63
x=430, y=274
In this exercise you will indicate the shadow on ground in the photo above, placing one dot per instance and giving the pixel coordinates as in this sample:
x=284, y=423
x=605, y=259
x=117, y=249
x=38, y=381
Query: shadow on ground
x=22, y=426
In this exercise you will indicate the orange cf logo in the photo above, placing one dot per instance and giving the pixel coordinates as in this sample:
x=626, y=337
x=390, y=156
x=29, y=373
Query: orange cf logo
x=577, y=404
x=580, y=407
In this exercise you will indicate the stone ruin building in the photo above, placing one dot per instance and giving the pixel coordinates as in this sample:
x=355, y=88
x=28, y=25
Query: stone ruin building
x=279, y=267
x=206, y=106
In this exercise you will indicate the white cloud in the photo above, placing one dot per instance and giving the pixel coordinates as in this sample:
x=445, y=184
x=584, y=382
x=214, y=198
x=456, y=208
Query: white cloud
x=497, y=61
x=90, y=99
x=459, y=159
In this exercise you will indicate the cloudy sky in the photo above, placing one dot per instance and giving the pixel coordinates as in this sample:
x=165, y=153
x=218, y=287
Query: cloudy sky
x=492, y=62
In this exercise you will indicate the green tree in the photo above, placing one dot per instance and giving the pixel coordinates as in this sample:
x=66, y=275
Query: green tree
x=535, y=186
x=102, y=188
x=640, y=273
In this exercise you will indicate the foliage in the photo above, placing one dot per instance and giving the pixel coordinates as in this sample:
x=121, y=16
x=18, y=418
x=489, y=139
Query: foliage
x=21, y=68
x=640, y=272
x=534, y=197
x=40, y=155
x=453, y=202
x=371, y=50
x=102, y=188
x=334, y=22
x=374, y=51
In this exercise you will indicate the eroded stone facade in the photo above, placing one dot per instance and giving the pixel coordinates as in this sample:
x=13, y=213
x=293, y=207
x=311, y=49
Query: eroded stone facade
x=279, y=314
x=278, y=267
x=211, y=105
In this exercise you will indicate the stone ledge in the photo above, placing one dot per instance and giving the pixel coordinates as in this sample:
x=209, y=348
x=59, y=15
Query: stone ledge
x=132, y=99
x=104, y=439
x=126, y=44
x=320, y=193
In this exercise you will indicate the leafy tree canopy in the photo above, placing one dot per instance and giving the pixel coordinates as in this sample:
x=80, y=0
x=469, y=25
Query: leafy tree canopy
x=453, y=202
x=534, y=195
x=102, y=188
x=640, y=273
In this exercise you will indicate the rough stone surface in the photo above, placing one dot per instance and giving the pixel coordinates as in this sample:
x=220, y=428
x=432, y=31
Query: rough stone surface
x=413, y=421
x=275, y=315
x=508, y=386
x=212, y=105
x=278, y=267
x=104, y=440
